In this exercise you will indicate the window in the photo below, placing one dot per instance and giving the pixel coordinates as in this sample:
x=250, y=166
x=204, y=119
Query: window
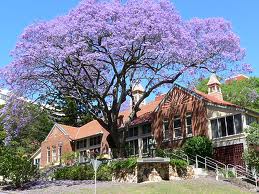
x=59, y=152
x=177, y=128
x=230, y=125
x=222, y=127
x=133, y=147
x=54, y=154
x=166, y=129
x=146, y=129
x=189, y=125
x=225, y=126
x=133, y=132
x=37, y=162
x=214, y=128
x=250, y=119
x=146, y=145
x=48, y=155
x=238, y=123
x=81, y=144
x=95, y=140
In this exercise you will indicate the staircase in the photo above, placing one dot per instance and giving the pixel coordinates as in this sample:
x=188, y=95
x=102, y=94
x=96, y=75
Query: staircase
x=206, y=166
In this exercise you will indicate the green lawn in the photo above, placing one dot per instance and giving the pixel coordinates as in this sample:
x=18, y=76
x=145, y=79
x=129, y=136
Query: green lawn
x=177, y=187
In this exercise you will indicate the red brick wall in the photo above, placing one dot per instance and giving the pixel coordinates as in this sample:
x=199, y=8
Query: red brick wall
x=55, y=138
x=231, y=154
x=179, y=103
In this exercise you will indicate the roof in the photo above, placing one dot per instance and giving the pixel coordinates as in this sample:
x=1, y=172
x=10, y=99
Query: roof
x=144, y=115
x=90, y=129
x=213, y=80
x=239, y=77
x=215, y=100
x=144, y=111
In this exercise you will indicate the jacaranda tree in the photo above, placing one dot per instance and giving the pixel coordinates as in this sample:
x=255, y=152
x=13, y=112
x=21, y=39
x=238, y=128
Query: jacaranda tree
x=99, y=50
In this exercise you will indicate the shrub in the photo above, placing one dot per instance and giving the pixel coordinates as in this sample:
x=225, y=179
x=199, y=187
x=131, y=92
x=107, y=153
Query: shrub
x=180, y=165
x=128, y=164
x=198, y=145
x=16, y=167
x=104, y=173
x=69, y=158
x=82, y=172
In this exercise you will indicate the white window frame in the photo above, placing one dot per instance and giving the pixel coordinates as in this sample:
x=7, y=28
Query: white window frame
x=186, y=124
x=178, y=137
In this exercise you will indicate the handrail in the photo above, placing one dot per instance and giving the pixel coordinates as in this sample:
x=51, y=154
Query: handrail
x=218, y=162
x=186, y=159
x=244, y=171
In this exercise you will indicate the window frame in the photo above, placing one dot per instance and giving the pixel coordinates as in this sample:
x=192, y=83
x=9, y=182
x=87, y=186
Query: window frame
x=177, y=128
x=219, y=134
x=188, y=115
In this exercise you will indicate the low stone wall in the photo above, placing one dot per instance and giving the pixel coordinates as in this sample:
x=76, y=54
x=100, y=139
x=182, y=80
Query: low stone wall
x=152, y=172
x=177, y=175
x=125, y=176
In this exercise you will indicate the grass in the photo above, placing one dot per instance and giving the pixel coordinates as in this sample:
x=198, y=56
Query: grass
x=171, y=187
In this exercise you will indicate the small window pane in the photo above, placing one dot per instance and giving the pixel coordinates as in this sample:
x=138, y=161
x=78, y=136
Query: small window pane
x=177, y=123
x=238, y=123
x=214, y=128
x=222, y=127
x=230, y=125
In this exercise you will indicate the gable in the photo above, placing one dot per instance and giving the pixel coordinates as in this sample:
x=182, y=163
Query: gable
x=178, y=96
x=56, y=132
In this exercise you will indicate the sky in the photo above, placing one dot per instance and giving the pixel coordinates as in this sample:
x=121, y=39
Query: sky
x=15, y=15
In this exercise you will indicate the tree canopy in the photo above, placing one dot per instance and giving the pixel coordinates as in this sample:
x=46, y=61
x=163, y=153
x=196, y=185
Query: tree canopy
x=244, y=93
x=98, y=51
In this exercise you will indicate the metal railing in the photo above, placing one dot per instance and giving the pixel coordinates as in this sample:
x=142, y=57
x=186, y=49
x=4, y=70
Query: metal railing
x=244, y=172
x=207, y=162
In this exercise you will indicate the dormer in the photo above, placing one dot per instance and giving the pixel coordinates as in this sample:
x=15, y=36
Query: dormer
x=214, y=88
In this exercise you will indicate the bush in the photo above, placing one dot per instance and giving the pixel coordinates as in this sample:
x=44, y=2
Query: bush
x=180, y=165
x=198, y=145
x=104, y=173
x=128, y=164
x=82, y=172
x=16, y=167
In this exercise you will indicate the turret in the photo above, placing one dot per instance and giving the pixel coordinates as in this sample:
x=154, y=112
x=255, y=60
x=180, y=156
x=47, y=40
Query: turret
x=214, y=88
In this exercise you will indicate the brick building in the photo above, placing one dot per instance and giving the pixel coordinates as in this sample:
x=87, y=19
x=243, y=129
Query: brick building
x=170, y=119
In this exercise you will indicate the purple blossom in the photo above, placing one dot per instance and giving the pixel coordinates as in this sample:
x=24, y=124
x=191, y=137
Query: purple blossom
x=84, y=53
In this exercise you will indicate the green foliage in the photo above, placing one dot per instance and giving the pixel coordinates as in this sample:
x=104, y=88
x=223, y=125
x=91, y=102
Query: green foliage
x=16, y=167
x=228, y=173
x=170, y=153
x=127, y=164
x=31, y=136
x=198, y=145
x=238, y=92
x=104, y=173
x=73, y=114
x=84, y=172
x=180, y=165
x=252, y=134
x=251, y=155
x=69, y=158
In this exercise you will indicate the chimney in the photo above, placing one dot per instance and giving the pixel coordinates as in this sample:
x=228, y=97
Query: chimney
x=214, y=88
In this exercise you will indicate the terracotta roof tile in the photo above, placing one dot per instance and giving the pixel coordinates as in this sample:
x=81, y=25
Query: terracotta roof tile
x=90, y=129
x=215, y=100
x=71, y=131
